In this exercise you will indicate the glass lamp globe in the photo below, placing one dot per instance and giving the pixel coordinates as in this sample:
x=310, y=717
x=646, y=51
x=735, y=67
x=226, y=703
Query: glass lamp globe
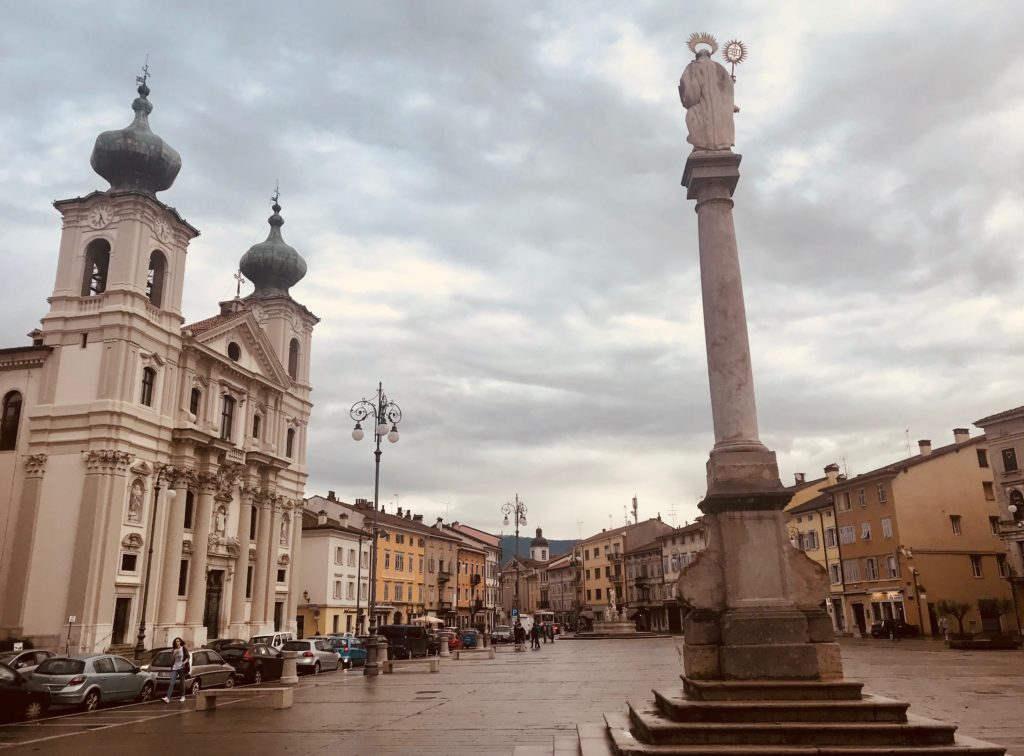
x=506, y=521
x=522, y=520
x=357, y=433
x=393, y=435
x=171, y=493
x=1012, y=508
x=382, y=429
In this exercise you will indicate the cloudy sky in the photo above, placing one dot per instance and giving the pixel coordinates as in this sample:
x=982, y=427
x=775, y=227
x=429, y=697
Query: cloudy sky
x=487, y=195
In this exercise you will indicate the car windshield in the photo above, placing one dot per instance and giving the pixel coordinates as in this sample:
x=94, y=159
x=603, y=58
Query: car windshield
x=233, y=652
x=7, y=658
x=162, y=659
x=502, y=629
x=262, y=639
x=390, y=631
x=295, y=646
x=61, y=667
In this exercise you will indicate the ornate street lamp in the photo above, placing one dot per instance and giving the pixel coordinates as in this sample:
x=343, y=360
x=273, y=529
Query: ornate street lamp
x=385, y=415
x=517, y=511
x=163, y=472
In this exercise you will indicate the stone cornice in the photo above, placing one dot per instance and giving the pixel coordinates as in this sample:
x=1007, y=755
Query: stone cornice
x=19, y=358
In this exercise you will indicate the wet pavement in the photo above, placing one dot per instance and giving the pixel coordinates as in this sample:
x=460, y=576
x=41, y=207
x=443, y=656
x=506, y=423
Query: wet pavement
x=522, y=704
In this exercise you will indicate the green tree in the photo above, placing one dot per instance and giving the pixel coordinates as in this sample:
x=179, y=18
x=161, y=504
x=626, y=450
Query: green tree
x=956, y=609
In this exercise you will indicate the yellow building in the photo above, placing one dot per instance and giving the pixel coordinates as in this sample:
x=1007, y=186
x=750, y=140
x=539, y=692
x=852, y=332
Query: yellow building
x=919, y=531
x=603, y=563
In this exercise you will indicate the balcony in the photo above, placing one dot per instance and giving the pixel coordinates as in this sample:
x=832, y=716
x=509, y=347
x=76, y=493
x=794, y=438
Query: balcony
x=648, y=580
x=443, y=576
x=615, y=556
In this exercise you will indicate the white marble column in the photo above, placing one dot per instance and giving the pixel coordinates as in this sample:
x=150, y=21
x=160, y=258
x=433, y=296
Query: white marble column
x=271, y=544
x=238, y=618
x=293, y=568
x=259, y=586
x=167, y=612
x=194, y=609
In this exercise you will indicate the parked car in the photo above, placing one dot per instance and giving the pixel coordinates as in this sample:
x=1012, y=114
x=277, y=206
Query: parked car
x=454, y=641
x=277, y=640
x=405, y=641
x=207, y=669
x=254, y=662
x=433, y=643
x=350, y=651
x=894, y=628
x=315, y=655
x=501, y=634
x=21, y=698
x=221, y=643
x=470, y=638
x=25, y=662
x=88, y=680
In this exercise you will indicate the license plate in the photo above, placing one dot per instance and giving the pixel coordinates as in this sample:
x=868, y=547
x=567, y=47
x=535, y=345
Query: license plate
x=163, y=675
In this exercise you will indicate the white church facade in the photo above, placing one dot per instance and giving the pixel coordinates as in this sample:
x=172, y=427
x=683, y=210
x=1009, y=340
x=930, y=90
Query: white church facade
x=144, y=461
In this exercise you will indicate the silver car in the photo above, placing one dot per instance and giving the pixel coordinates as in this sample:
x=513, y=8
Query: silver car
x=207, y=669
x=91, y=679
x=315, y=655
x=25, y=662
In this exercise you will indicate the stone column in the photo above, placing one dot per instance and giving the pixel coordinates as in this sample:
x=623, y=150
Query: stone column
x=194, y=609
x=12, y=609
x=238, y=600
x=293, y=568
x=167, y=614
x=259, y=585
x=270, y=547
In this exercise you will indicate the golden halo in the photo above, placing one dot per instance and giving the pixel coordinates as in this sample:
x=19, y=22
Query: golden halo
x=734, y=52
x=702, y=38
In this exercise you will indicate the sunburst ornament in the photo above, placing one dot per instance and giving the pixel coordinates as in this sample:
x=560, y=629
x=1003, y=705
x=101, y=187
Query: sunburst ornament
x=702, y=38
x=734, y=52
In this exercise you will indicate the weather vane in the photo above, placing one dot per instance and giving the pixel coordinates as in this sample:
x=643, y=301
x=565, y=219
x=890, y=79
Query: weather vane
x=277, y=192
x=241, y=280
x=145, y=72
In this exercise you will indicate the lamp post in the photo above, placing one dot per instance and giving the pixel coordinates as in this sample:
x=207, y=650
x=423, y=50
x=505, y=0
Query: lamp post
x=384, y=413
x=517, y=510
x=163, y=472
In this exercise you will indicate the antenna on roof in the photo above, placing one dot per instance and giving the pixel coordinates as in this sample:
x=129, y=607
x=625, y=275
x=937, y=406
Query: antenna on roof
x=907, y=432
x=846, y=470
x=636, y=515
x=672, y=514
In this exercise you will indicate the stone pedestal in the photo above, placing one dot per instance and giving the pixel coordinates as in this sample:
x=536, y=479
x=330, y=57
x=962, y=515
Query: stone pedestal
x=444, y=638
x=289, y=668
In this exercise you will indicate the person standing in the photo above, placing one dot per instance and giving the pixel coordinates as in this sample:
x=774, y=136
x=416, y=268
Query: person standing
x=535, y=636
x=179, y=669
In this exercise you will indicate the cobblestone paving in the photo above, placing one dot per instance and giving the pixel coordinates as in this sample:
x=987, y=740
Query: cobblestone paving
x=521, y=704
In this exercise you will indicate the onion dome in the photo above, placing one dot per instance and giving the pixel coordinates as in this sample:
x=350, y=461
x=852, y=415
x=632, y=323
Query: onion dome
x=134, y=158
x=539, y=540
x=272, y=265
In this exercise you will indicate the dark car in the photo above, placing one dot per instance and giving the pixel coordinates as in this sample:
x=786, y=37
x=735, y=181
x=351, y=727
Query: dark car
x=433, y=643
x=894, y=628
x=21, y=698
x=405, y=641
x=206, y=670
x=220, y=643
x=253, y=662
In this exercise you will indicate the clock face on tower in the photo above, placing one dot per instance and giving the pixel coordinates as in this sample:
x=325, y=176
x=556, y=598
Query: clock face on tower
x=163, y=230
x=100, y=216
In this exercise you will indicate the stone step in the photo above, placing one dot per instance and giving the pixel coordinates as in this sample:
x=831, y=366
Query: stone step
x=771, y=690
x=625, y=743
x=677, y=706
x=652, y=727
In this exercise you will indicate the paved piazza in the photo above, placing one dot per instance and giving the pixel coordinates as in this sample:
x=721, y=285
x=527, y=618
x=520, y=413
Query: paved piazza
x=522, y=704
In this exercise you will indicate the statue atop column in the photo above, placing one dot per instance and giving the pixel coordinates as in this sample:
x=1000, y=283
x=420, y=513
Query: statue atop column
x=706, y=91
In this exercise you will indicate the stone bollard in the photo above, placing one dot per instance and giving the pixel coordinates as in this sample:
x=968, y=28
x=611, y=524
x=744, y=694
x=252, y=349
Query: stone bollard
x=371, y=668
x=289, y=670
x=443, y=651
x=382, y=648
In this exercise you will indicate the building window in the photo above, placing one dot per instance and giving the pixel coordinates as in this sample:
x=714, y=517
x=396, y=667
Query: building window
x=190, y=504
x=398, y=592
x=248, y=581
x=336, y=623
x=851, y=569
x=847, y=535
x=982, y=458
x=252, y=523
x=809, y=540
x=183, y=577
x=293, y=359
x=129, y=562
x=886, y=527
x=986, y=487
x=399, y=538
x=1004, y=567
x=194, y=401
x=844, y=501
x=976, y=565
x=954, y=520
x=597, y=594
x=148, y=381
x=830, y=537
x=881, y=493
x=338, y=555
x=387, y=560
x=871, y=568
x=337, y=589
x=289, y=443
x=97, y=260
x=234, y=351
x=399, y=561
x=993, y=523
x=861, y=499
x=588, y=594
x=387, y=591
x=155, y=278
x=351, y=593
x=892, y=565
x=227, y=418
x=1009, y=459
x=1017, y=499
x=256, y=421
x=282, y=575
x=10, y=420
x=865, y=531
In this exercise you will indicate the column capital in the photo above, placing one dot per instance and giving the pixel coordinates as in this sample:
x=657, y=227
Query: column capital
x=107, y=460
x=35, y=465
x=706, y=171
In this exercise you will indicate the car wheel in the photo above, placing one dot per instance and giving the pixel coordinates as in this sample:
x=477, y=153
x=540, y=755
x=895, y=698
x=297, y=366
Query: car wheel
x=146, y=693
x=316, y=668
x=33, y=710
x=257, y=677
x=91, y=702
x=196, y=687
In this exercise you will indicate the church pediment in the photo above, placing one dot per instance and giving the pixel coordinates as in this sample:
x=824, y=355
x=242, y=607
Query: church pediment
x=255, y=352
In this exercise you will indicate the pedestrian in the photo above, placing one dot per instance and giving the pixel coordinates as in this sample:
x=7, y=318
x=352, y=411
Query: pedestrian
x=519, y=633
x=179, y=669
x=944, y=627
x=551, y=632
x=544, y=632
x=535, y=636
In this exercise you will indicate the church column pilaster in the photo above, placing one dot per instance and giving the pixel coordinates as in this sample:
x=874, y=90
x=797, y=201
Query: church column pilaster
x=238, y=599
x=12, y=609
x=207, y=485
x=263, y=535
x=293, y=566
x=271, y=548
x=167, y=614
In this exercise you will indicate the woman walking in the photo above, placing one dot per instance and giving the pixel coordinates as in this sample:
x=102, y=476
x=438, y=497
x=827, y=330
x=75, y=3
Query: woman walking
x=179, y=669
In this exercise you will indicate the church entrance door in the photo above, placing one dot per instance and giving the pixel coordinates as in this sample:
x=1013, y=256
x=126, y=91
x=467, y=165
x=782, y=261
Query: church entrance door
x=211, y=614
x=121, y=607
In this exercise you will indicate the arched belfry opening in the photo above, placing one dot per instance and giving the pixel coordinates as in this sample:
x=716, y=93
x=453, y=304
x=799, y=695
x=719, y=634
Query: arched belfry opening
x=293, y=359
x=155, y=278
x=97, y=261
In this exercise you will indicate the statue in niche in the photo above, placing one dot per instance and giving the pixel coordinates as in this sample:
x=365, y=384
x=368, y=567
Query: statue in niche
x=284, y=531
x=220, y=521
x=706, y=91
x=135, y=502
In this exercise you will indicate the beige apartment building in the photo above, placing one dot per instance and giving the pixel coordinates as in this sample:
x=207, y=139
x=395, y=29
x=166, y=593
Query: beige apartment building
x=679, y=547
x=334, y=575
x=125, y=431
x=918, y=531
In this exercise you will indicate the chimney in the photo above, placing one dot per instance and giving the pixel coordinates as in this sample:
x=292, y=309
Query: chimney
x=960, y=435
x=800, y=478
x=343, y=518
x=361, y=503
x=440, y=523
x=832, y=473
x=321, y=517
x=399, y=511
x=331, y=496
x=841, y=477
x=408, y=514
x=417, y=518
x=925, y=446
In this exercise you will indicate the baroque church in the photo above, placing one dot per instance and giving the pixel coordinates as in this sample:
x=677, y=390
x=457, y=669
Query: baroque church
x=152, y=472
